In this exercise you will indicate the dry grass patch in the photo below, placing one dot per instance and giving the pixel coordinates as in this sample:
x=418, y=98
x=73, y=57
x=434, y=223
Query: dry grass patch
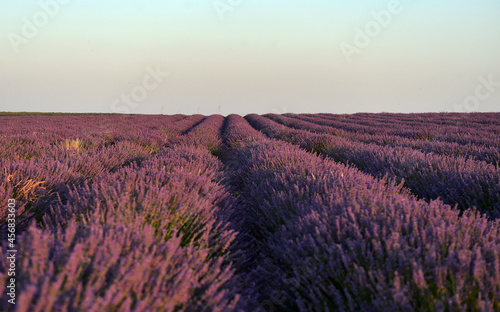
x=28, y=190
x=74, y=144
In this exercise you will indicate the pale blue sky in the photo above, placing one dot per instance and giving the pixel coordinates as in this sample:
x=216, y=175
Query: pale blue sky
x=257, y=56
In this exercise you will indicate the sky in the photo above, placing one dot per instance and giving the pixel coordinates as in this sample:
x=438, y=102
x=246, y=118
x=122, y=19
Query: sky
x=242, y=56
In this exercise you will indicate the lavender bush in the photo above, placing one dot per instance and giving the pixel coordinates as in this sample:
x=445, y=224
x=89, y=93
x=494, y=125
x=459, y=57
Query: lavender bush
x=333, y=238
x=140, y=239
x=456, y=180
x=309, y=212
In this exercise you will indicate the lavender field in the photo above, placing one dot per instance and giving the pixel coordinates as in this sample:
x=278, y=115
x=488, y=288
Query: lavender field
x=290, y=212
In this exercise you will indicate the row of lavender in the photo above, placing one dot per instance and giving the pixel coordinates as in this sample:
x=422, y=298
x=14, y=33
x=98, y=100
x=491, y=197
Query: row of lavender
x=471, y=129
x=456, y=180
x=142, y=234
x=425, y=141
x=275, y=228
x=41, y=155
x=315, y=235
x=487, y=121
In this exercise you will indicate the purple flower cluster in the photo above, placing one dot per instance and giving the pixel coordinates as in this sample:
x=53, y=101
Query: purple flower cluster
x=143, y=238
x=332, y=238
x=263, y=213
x=425, y=141
x=42, y=155
x=206, y=134
x=455, y=180
x=478, y=129
x=124, y=223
